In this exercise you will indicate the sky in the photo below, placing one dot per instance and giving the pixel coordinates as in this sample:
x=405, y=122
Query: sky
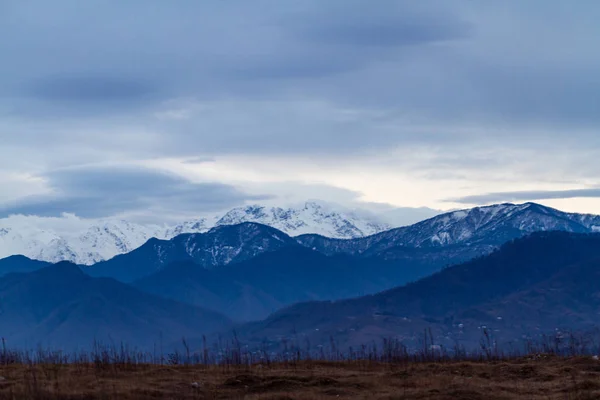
x=157, y=110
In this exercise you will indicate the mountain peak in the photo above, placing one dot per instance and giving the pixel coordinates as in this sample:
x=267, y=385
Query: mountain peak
x=108, y=238
x=63, y=267
x=222, y=245
x=314, y=204
x=104, y=239
x=483, y=228
x=494, y=223
x=310, y=217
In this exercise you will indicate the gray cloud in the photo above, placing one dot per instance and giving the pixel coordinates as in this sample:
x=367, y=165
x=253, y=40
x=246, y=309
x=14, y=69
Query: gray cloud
x=426, y=58
x=528, y=195
x=390, y=24
x=91, y=89
x=122, y=81
x=427, y=67
x=103, y=192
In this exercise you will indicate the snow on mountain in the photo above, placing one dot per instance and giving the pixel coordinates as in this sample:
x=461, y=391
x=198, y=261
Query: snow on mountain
x=87, y=242
x=28, y=241
x=487, y=227
x=492, y=224
x=101, y=242
x=588, y=220
x=194, y=226
x=311, y=217
x=84, y=245
x=219, y=246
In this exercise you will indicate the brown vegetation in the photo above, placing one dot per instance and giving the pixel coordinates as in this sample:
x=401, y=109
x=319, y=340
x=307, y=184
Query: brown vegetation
x=535, y=377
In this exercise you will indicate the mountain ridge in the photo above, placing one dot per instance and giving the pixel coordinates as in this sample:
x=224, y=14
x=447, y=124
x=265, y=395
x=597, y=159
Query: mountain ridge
x=219, y=246
x=88, y=245
x=458, y=302
x=62, y=307
x=454, y=237
x=486, y=227
x=254, y=288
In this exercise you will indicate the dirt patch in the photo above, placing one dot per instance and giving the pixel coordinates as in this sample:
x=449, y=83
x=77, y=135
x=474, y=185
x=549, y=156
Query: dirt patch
x=534, y=379
x=243, y=381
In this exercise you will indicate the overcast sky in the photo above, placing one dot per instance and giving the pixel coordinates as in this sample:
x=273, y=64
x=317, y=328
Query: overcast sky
x=161, y=110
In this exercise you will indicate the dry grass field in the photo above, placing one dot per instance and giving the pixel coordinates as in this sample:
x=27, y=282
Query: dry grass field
x=526, y=378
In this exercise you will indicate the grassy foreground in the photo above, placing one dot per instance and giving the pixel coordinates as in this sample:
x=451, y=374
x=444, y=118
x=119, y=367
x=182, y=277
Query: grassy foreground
x=536, y=377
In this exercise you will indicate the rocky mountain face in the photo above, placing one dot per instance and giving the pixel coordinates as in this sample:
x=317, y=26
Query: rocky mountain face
x=434, y=243
x=318, y=226
x=232, y=244
x=220, y=246
x=481, y=228
x=106, y=239
x=312, y=217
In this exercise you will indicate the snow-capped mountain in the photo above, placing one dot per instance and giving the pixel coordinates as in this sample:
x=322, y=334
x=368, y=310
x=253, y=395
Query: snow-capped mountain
x=311, y=217
x=221, y=245
x=87, y=243
x=487, y=227
x=95, y=243
x=102, y=240
x=493, y=224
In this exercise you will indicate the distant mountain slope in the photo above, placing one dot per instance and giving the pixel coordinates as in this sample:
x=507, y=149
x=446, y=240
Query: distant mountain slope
x=458, y=301
x=567, y=301
x=485, y=227
x=481, y=228
x=62, y=307
x=20, y=264
x=231, y=244
x=255, y=288
x=440, y=241
x=102, y=240
x=221, y=245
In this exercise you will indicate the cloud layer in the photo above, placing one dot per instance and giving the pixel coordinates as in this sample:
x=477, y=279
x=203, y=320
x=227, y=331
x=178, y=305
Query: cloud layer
x=406, y=102
x=101, y=192
x=525, y=195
